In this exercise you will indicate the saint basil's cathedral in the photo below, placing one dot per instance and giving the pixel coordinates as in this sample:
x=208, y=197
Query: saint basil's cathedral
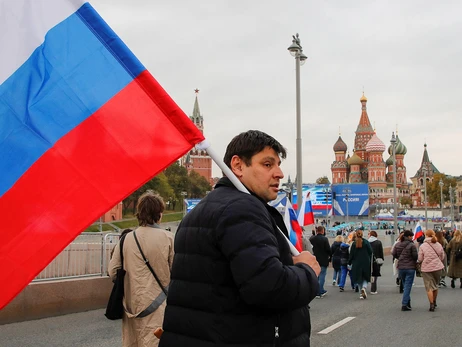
x=367, y=166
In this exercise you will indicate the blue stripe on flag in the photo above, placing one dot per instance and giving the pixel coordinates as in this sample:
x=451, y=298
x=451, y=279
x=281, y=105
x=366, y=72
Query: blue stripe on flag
x=41, y=102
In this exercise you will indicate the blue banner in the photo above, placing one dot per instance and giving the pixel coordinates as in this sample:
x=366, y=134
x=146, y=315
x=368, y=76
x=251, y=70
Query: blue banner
x=351, y=199
x=190, y=204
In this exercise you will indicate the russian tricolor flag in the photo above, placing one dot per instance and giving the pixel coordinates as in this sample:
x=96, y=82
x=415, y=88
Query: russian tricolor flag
x=305, y=214
x=294, y=228
x=418, y=232
x=82, y=125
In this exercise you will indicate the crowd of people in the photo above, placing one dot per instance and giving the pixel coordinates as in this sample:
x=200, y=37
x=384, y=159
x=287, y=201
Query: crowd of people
x=434, y=257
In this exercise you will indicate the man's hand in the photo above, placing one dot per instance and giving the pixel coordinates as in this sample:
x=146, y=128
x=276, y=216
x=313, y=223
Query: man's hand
x=308, y=259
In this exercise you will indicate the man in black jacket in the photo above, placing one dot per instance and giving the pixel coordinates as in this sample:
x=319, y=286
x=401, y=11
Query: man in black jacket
x=234, y=280
x=321, y=249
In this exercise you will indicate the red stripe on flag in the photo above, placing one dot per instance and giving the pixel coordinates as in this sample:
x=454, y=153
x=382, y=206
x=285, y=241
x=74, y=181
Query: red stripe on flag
x=129, y=140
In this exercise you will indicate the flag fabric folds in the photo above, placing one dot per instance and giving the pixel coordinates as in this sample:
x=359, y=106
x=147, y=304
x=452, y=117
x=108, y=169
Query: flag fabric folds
x=294, y=228
x=283, y=205
x=418, y=232
x=305, y=214
x=82, y=125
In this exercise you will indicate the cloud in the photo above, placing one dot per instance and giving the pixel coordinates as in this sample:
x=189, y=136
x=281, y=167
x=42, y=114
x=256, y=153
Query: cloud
x=406, y=55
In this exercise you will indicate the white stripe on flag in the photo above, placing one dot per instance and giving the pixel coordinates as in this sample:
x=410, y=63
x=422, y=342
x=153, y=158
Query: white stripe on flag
x=21, y=35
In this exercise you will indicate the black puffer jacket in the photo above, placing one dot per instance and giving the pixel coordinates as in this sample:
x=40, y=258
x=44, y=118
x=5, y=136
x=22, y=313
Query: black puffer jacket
x=233, y=279
x=406, y=253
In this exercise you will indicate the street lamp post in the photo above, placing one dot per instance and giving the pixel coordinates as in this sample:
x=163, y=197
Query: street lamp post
x=184, y=194
x=425, y=196
x=395, y=208
x=296, y=51
x=441, y=192
x=451, y=197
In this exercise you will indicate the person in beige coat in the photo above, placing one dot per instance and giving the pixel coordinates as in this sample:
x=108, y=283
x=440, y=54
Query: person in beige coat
x=143, y=294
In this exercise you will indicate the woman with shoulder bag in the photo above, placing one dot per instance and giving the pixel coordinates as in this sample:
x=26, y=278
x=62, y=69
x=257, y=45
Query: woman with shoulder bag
x=147, y=258
x=431, y=256
x=377, y=259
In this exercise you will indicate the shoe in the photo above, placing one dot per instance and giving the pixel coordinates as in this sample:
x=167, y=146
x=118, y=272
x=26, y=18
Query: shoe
x=432, y=308
x=363, y=293
x=397, y=282
x=442, y=283
x=374, y=293
x=409, y=303
x=334, y=282
x=461, y=283
x=434, y=303
x=406, y=308
x=341, y=289
x=356, y=289
x=361, y=297
x=324, y=294
x=318, y=297
x=453, y=285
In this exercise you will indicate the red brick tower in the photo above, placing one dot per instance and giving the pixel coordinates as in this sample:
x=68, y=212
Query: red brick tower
x=364, y=133
x=198, y=160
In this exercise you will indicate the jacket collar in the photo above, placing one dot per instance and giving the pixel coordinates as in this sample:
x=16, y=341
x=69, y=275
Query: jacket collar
x=226, y=182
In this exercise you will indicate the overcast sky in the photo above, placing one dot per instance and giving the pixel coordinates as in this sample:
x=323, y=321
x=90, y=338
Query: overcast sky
x=406, y=54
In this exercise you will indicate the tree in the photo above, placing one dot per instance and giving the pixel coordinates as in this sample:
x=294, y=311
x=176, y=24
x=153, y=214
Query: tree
x=406, y=201
x=177, y=177
x=434, y=189
x=323, y=180
x=158, y=184
x=198, y=185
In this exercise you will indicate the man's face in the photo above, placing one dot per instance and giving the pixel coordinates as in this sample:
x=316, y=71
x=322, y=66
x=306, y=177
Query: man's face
x=263, y=175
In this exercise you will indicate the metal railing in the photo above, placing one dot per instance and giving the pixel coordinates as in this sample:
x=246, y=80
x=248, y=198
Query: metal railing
x=87, y=256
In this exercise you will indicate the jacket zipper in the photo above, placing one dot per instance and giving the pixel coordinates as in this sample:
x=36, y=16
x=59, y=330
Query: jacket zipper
x=276, y=332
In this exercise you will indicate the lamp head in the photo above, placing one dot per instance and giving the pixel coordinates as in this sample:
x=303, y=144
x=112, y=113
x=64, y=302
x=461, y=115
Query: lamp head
x=294, y=48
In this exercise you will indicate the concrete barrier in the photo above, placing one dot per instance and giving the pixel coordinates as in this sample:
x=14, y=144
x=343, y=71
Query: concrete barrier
x=48, y=299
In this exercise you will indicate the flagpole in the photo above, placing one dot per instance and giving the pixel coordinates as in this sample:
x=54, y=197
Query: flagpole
x=205, y=145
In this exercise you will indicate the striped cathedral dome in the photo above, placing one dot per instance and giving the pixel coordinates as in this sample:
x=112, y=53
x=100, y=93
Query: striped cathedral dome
x=400, y=147
x=375, y=145
x=389, y=161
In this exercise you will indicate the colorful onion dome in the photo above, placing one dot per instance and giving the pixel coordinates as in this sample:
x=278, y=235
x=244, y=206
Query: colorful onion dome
x=400, y=147
x=355, y=160
x=389, y=161
x=363, y=98
x=340, y=146
x=375, y=145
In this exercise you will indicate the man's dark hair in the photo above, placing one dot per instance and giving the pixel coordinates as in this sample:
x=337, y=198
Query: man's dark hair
x=246, y=145
x=320, y=229
x=149, y=207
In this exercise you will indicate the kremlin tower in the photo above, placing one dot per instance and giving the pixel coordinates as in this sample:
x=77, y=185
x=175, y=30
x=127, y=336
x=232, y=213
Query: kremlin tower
x=198, y=160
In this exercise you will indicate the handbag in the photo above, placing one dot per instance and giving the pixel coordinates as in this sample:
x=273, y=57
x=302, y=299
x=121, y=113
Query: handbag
x=418, y=269
x=115, y=306
x=379, y=261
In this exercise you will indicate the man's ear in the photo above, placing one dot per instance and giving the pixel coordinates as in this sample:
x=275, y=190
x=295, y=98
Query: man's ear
x=236, y=165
